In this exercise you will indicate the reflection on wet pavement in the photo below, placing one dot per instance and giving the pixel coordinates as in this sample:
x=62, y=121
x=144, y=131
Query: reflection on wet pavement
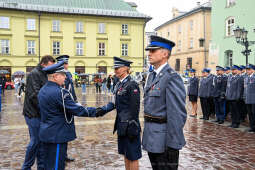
x=209, y=146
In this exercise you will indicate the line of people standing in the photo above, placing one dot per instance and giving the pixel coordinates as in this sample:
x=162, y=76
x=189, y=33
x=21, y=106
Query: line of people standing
x=231, y=90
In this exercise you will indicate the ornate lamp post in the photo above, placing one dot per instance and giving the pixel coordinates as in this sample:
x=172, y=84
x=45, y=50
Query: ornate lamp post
x=241, y=38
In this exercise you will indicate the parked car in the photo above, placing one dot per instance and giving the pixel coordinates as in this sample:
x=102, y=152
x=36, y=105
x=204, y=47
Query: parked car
x=9, y=85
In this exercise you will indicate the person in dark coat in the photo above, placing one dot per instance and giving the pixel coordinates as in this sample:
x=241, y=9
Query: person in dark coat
x=164, y=108
x=109, y=83
x=227, y=74
x=57, y=109
x=220, y=84
x=34, y=82
x=242, y=101
x=193, y=85
x=249, y=91
x=3, y=81
x=127, y=125
x=211, y=77
x=234, y=93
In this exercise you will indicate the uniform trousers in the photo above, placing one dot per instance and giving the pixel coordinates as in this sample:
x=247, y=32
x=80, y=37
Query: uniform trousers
x=243, y=108
x=220, y=108
x=235, y=112
x=227, y=107
x=251, y=113
x=205, y=107
x=211, y=106
x=34, y=148
x=168, y=160
x=55, y=156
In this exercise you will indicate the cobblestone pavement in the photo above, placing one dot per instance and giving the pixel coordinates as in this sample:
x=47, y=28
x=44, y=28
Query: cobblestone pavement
x=209, y=145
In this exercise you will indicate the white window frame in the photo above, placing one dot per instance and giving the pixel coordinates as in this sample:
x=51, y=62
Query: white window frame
x=31, y=24
x=4, y=22
x=191, y=24
x=231, y=2
x=56, y=25
x=124, y=49
x=79, y=48
x=56, y=47
x=31, y=47
x=5, y=46
x=191, y=43
x=101, y=49
x=230, y=26
x=124, y=29
x=101, y=28
x=79, y=26
x=179, y=29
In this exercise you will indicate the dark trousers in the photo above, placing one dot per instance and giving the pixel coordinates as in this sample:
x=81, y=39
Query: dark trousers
x=98, y=88
x=243, y=109
x=55, y=156
x=34, y=148
x=165, y=161
x=235, y=112
x=220, y=108
x=251, y=113
x=227, y=108
x=205, y=107
x=211, y=106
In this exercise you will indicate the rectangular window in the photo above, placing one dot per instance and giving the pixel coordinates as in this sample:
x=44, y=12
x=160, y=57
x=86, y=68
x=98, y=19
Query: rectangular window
x=189, y=63
x=31, y=47
x=101, y=28
x=79, y=27
x=191, y=43
x=124, y=49
x=191, y=25
x=5, y=47
x=230, y=23
x=56, y=47
x=168, y=33
x=4, y=22
x=30, y=24
x=124, y=29
x=177, y=65
x=179, y=29
x=101, y=49
x=79, y=48
x=231, y=2
x=56, y=26
x=201, y=42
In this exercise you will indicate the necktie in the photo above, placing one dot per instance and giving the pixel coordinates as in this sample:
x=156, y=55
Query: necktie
x=153, y=76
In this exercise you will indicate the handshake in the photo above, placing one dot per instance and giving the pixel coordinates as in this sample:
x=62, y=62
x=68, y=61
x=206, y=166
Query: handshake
x=101, y=111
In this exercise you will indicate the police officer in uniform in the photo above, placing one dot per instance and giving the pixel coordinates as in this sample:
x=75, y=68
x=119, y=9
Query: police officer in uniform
x=234, y=93
x=227, y=74
x=220, y=84
x=204, y=93
x=127, y=125
x=242, y=101
x=68, y=85
x=57, y=109
x=211, y=78
x=164, y=108
x=250, y=95
x=193, y=85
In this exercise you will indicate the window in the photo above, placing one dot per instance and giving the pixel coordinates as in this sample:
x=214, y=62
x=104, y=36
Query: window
x=230, y=23
x=101, y=28
x=168, y=33
x=30, y=24
x=31, y=47
x=56, y=47
x=79, y=48
x=229, y=57
x=179, y=29
x=101, y=49
x=231, y=2
x=177, y=65
x=191, y=43
x=5, y=47
x=201, y=42
x=56, y=26
x=191, y=25
x=124, y=49
x=79, y=27
x=4, y=22
x=179, y=45
x=124, y=29
x=189, y=63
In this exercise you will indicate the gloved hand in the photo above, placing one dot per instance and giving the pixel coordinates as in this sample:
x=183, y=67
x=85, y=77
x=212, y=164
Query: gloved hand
x=222, y=96
x=100, y=112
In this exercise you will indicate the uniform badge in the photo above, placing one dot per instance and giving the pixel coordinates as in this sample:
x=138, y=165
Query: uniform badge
x=135, y=91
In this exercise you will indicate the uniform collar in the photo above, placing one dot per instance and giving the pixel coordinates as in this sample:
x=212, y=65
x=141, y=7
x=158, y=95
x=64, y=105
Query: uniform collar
x=53, y=83
x=160, y=68
x=124, y=78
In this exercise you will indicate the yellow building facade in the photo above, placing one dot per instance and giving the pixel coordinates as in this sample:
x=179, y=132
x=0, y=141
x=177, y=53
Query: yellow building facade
x=191, y=32
x=91, y=40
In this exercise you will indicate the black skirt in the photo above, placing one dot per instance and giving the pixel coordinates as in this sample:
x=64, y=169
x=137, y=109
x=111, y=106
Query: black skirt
x=192, y=98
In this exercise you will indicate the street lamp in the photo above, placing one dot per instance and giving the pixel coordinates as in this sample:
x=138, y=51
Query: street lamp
x=241, y=38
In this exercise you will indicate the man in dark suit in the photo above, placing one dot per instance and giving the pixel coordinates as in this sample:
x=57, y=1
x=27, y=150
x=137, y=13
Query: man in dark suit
x=164, y=108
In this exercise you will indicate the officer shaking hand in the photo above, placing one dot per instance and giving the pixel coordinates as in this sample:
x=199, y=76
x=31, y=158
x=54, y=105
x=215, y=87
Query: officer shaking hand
x=57, y=109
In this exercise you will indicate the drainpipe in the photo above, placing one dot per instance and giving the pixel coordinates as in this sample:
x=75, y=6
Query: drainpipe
x=205, y=57
x=143, y=43
x=39, y=36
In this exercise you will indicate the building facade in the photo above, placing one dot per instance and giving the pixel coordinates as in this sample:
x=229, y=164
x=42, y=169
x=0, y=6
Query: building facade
x=191, y=32
x=90, y=32
x=226, y=16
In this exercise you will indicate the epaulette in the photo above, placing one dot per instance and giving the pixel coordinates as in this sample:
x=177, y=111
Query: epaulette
x=171, y=72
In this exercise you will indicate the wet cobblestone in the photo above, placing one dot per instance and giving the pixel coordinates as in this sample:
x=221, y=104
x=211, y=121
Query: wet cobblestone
x=209, y=145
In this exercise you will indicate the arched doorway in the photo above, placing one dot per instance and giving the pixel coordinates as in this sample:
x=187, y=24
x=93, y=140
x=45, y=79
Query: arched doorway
x=101, y=67
x=79, y=67
x=6, y=65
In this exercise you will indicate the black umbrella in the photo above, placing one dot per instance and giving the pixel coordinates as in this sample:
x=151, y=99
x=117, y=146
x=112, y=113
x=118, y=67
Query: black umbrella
x=4, y=72
x=19, y=73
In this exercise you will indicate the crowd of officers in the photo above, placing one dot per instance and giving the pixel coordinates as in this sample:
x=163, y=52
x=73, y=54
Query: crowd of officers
x=230, y=91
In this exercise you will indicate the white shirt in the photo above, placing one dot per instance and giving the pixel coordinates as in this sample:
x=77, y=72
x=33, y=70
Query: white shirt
x=123, y=78
x=160, y=68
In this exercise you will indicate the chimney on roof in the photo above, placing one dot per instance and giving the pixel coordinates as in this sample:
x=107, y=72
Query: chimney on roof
x=132, y=4
x=198, y=3
x=175, y=12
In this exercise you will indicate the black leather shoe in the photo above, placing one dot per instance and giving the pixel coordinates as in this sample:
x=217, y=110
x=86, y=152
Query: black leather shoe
x=235, y=126
x=193, y=115
x=251, y=130
x=206, y=118
x=216, y=121
x=69, y=159
x=201, y=118
x=230, y=125
x=221, y=122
